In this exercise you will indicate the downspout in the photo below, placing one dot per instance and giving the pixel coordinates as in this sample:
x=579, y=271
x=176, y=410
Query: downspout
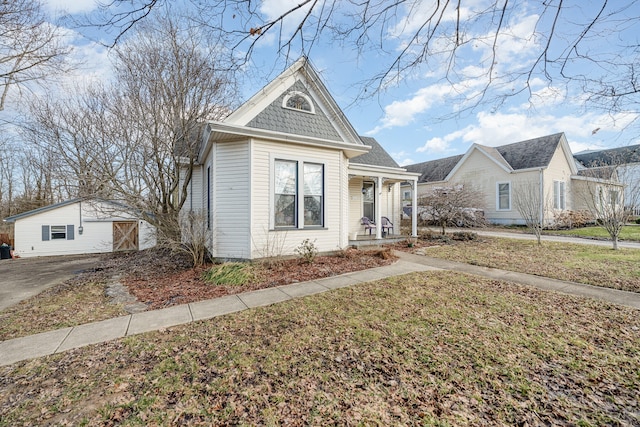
x=80, y=228
x=542, y=198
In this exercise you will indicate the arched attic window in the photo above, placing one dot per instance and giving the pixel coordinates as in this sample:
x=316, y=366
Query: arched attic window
x=298, y=101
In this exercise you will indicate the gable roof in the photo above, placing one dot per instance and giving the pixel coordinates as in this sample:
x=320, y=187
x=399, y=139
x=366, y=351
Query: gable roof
x=612, y=156
x=54, y=206
x=528, y=154
x=532, y=153
x=265, y=110
x=434, y=170
x=377, y=156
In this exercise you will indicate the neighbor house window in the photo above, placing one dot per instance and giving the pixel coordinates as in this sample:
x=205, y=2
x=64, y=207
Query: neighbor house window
x=559, y=195
x=504, y=196
x=406, y=195
x=298, y=101
x=298, y=184
x=613, y=197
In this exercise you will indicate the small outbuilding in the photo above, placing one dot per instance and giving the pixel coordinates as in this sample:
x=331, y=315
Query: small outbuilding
x=80, y=226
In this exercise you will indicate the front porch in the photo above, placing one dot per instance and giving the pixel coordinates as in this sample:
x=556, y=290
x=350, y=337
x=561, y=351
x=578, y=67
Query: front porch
x=364, y=240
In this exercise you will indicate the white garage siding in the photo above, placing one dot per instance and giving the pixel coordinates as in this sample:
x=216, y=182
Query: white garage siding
x=97, y=235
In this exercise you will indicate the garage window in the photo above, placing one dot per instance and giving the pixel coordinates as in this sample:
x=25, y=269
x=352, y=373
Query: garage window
x=57, y=232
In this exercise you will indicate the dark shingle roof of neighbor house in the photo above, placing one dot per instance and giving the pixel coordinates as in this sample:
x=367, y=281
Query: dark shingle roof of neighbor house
x=377, y=156
x=532, y=153
x=613, y=156
x=434, y=170
x=600, y=172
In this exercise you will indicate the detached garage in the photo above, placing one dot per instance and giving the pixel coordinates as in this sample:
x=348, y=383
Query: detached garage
x=79, y=227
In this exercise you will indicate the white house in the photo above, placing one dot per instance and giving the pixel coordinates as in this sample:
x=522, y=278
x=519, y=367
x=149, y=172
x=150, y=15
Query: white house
x=626, y=162
x=544, y=165
x=79, y=227
x=287, y=166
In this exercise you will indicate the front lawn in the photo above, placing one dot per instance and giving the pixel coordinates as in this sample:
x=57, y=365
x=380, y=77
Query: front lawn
x=630, y=233
x=590, y=264
x=435, y=348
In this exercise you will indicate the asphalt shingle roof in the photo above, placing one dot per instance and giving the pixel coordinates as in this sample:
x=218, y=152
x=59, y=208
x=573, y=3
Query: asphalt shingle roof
x=532, y=153
x=613, y=156
x=377, y=156
x=275, y=117
x=434, y=170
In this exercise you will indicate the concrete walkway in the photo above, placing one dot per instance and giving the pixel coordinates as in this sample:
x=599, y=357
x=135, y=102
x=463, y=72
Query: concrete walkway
x=60, y=340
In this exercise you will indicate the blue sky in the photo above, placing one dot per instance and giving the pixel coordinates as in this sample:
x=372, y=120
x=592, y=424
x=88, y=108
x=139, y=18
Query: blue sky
x=422, y=116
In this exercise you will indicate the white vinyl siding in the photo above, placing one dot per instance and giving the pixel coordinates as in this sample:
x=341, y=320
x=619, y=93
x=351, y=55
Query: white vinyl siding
x=264, y=233
x=231, y=206
x=96, y=237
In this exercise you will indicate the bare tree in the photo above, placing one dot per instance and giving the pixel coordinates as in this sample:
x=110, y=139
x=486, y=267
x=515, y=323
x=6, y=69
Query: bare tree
x=170, y=79
x=137, y=140
x=558, y=37
x=602, y=194
x=452, y=206
x=31, y=48
x=610, y=189
x=528, y=200
x=75, y=130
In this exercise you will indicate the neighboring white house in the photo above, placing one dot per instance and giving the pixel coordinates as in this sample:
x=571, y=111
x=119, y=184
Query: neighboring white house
x=626, y=162
x=288, y=166
x=544, y=164
x=79, y=227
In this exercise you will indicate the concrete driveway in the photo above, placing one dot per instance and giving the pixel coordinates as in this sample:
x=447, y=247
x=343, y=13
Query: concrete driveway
x=22, y=278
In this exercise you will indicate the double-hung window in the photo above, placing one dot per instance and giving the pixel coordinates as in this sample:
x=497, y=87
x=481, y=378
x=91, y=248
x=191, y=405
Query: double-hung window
x=559, y=198
x=503, y=201
x=298, y=194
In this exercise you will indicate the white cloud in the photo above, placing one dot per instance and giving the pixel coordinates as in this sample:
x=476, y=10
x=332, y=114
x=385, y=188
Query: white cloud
x=402, y=113
x=435, y=145
x=273, y=9
x=70, y=6
x=499, y=129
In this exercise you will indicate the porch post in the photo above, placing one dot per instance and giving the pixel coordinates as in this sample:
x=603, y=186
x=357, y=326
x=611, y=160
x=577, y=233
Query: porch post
x=376, y=204
x=414, y=208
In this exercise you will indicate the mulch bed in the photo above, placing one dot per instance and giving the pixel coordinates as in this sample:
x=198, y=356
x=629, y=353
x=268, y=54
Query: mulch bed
x=161, y=279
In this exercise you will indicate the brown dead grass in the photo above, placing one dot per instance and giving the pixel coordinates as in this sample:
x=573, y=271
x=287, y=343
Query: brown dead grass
x=160, y=278
x=422, y=349
x=580, y=263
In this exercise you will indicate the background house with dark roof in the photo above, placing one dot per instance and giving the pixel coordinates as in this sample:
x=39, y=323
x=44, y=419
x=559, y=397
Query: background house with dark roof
x=624, y=162
x=545, y=163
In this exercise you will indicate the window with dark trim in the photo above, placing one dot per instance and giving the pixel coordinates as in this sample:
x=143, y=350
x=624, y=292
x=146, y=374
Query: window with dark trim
x=58, y=232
